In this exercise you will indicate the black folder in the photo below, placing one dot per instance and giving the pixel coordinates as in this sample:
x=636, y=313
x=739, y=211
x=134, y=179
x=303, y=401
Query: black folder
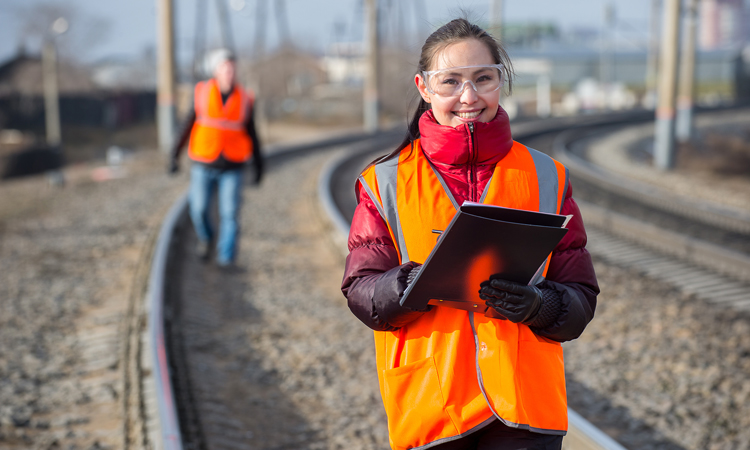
x=480, y=241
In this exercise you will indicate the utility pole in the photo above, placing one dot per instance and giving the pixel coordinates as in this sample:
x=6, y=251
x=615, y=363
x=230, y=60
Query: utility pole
x=496, y=16
x=258, y=82
x=49, y=81
x=371, y=106
x=664, y=142
x=606, y=55
x=165, y=98
x=52, y=96
x=51, y=103
x=684, y=124
x=653, y=54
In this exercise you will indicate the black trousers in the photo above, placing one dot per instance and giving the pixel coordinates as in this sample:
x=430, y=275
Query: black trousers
x=497, y=436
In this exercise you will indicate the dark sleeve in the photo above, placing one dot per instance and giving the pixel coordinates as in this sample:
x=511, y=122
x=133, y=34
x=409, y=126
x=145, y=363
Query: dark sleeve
x=187, y=127
x=374, y=280
x=572, y=278
x=257, y=151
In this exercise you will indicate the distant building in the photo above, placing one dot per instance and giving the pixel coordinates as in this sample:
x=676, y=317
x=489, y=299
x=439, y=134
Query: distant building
x=345, y=63
x=124, y=74
x=720, y=75
x=82, y=100
x=723, y=23
x=22, y=75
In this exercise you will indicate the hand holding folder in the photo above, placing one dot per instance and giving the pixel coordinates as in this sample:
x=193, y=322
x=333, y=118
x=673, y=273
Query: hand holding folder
x=480, y=241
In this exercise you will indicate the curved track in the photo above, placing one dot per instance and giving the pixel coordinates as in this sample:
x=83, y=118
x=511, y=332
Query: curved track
x=683, y=243
x=202, y=425
x=692, y=244
x=702, y=241
x=188, y=302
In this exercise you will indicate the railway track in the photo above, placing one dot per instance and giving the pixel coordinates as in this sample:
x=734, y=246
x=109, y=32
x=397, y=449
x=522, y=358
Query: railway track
x=702, y=241
x=189, y=415
x=187, y=308
x=695, y=245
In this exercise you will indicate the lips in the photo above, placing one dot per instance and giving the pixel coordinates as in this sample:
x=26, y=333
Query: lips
x=468, y=114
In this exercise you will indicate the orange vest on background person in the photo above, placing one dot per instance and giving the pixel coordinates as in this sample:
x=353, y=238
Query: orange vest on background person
x=450, y=371
x=219, y=128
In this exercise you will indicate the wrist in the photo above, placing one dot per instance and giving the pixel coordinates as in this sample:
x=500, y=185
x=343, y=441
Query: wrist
x=549, y=309
x=387, y=294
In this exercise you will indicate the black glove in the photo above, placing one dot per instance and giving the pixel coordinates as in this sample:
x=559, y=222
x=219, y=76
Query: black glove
x=173, y=167
x=387, y=293
x=517, y=302
x=413, y=274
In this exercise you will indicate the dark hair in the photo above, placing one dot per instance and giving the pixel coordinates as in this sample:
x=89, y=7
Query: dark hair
x=454, y=31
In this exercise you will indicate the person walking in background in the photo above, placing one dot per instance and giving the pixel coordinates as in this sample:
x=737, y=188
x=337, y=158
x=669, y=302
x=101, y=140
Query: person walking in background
x=452, y=379
x=221, y=130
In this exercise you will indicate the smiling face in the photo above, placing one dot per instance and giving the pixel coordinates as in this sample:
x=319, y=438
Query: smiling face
x=469, y=106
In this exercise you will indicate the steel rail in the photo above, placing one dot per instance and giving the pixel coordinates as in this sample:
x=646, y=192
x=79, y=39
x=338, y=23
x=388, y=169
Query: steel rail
x=694, y=209
x=582, y=434
x=168, y=420
x=168, y=426
x=701, y=253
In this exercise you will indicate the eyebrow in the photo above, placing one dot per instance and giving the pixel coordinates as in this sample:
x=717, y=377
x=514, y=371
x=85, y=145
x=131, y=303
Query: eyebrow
x=480, y=70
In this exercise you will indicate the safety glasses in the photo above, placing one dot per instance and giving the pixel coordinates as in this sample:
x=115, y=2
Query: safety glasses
x=452, y=81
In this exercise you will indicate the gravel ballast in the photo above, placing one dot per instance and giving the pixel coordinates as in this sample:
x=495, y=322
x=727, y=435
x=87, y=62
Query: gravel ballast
x=656, y=368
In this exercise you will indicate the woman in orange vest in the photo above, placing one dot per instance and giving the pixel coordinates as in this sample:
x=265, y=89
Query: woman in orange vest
x=222, y=137
x=452, y=379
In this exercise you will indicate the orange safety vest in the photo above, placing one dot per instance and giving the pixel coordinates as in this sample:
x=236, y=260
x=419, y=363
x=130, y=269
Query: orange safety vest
x=220, y=127
x=450, y=372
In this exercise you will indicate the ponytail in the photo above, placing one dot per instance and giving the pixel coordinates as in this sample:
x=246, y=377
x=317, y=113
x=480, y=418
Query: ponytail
x=412, y=133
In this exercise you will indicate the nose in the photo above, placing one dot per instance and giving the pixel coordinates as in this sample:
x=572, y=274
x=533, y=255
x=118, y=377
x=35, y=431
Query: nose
x=468, y=92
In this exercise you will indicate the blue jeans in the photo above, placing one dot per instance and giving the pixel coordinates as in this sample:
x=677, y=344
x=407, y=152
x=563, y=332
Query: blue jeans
x=203, y=182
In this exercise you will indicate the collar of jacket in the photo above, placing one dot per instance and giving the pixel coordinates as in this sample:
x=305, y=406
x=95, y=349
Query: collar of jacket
x=453, y=146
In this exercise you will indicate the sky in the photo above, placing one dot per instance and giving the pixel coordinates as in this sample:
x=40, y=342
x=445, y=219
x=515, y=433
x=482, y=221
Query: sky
x=102, y=29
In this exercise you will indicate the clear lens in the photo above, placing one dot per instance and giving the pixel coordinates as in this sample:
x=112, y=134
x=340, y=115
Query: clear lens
x=452, y=81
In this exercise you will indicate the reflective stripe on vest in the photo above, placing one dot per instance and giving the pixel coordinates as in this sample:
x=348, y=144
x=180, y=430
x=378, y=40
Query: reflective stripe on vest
x=450, y=372
x=220, y=123
x=220, y=126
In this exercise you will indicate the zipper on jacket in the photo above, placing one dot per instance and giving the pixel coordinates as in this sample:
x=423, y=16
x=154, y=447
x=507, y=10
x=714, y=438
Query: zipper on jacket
x=472, y=165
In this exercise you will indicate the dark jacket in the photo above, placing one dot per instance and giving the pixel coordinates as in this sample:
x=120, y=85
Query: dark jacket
x=374, y=280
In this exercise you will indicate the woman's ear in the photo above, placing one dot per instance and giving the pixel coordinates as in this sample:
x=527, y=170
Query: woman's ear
x=421, y=87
